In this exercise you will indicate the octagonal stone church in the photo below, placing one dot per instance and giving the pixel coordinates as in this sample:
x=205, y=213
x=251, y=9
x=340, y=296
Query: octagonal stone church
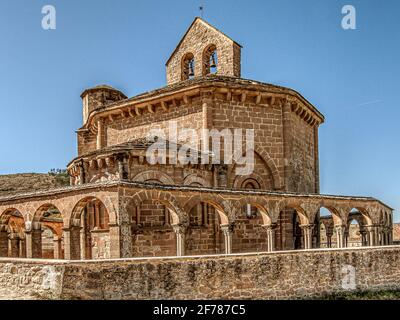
x=120, y=205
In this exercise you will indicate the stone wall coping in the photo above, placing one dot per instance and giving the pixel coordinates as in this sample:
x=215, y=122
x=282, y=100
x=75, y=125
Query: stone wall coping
x=194, y=257
x=144, y=185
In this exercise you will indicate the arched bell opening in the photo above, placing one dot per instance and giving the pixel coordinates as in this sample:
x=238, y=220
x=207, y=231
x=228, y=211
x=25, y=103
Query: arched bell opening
x=210, y=60
x=188, y=67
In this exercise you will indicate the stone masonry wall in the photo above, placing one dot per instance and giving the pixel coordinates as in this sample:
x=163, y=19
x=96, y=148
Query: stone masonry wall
x=280, y=275
x=199, y=37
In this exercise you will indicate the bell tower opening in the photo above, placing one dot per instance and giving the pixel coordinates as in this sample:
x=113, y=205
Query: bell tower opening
x=188, y=65
x=204, y=50
x=210, y=60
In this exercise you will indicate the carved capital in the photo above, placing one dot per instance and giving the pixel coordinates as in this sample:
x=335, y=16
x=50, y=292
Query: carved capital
x=227, y=229
x=179, y=228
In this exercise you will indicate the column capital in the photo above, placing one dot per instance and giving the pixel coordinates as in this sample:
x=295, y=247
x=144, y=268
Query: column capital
x=227, y=228
x=269, y=227
x=370, y=227
x=340, y=227
x=13, y=236
x=179, y=228
x=307, y=226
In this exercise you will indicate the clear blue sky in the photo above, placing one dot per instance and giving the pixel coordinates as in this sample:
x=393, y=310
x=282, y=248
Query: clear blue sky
x=351, y=76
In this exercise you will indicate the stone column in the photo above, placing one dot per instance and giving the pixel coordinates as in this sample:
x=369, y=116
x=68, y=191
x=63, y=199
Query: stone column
x=364, y=241
x=227, y=230
x=384, y=235
x=14, y=245
x=72, y=243
x=329, y=240
x=390, y=239
x=57, y=248
x=180, y=231
x=36, y=243
x=371, y=235
x=22, y=248
x=82, y=243
x=67, y=244
x=387, y=237
x=307, y=230
x=270, y=236
x=28, y=244
x=340, y=236
x=3, y=242
x=346, y=238
x=81, y=173
x=100, y=134
x=75, y=237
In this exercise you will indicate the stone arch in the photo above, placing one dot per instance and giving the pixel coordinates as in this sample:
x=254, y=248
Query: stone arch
x=296, y=214
x=42, y=245
x=154, y=221
x=225, y=209
x=277, y=179
x=366, y=214
x=195, y=179
x=252, y=222
x=210, y=224
x=334, y=211
x=12, y=235
x=261, y=204
x=304, y=216
x=73, y=206
x=80, y=206
x=167, y=199
x=241, y=180
x=187, y=66
x=89, y=229
x=360, y=222
x=154, y=176
x=42, y=210
x=5, y=215
x=210, y=57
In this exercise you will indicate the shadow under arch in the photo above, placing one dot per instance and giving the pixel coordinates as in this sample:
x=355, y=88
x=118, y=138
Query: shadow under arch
x=290, y=225
x=12, y=234
x=355, y=234
x=89, y=230
x=207, y=218
x=152, y=217
x=47, y=218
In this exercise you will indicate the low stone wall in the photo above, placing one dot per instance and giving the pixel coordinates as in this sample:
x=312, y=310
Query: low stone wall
x=279, y=275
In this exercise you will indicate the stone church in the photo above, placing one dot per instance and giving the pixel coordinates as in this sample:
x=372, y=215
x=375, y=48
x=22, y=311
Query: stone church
x=121, y=205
